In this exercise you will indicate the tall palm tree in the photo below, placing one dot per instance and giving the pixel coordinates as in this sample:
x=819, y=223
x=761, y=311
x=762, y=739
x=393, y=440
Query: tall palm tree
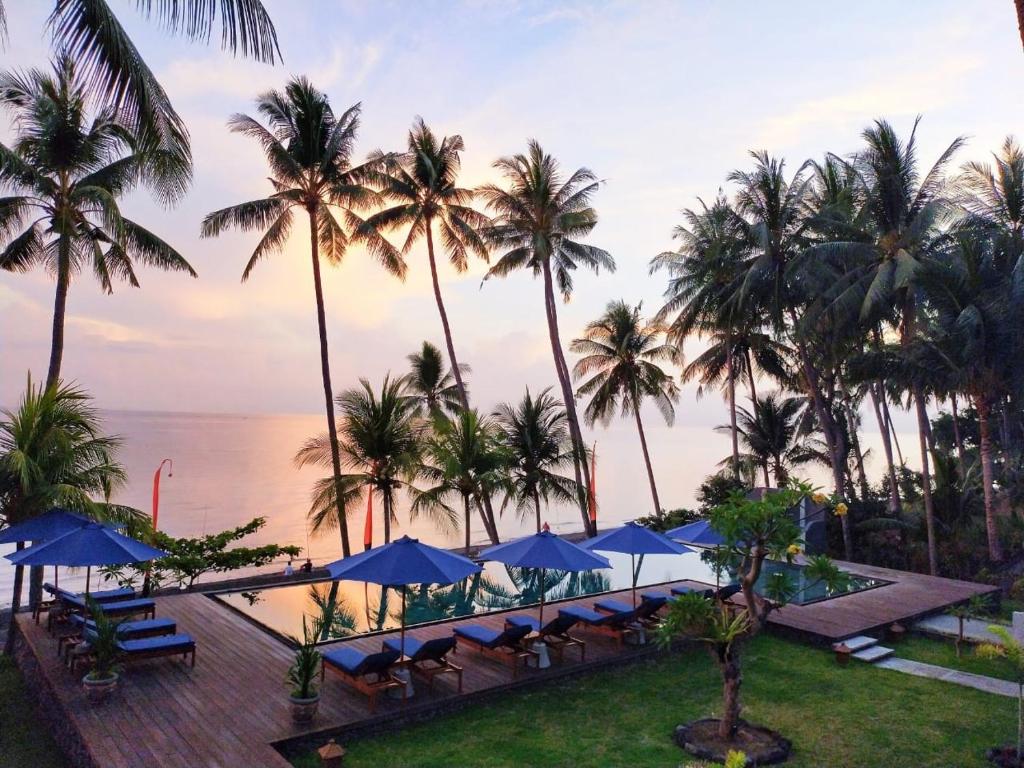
x=380, y=440
x=535, y=432
x=91, y=33
x=904, y=213
x=53, y=453
x=422, y=184
x=66, y=173
x=539, y=220
x=702, y=294
x=309, y=151
x=434, y=388
x=463, y=458
x=622, y=356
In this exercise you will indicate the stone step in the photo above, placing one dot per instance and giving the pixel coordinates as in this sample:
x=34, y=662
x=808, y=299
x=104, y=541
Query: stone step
x=873, y=653
x=858, y=643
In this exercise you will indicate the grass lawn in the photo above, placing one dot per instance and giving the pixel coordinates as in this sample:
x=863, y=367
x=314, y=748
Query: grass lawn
x=943, y=652
x=840, y=717
x=23, y=742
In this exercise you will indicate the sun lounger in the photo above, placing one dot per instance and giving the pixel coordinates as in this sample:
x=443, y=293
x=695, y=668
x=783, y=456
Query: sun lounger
x=370, y=673
x=646, y=612
x=144, y=605
x=57, y=594
x=614, y=625
x=505, y=646
x=126, y=630
x=554, y=633
x=427, y=658
x=146, y=648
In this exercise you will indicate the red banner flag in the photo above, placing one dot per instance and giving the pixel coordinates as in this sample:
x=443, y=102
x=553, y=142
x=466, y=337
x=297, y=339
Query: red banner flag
x=156, y=488
x=592, y=495
x=368, y=526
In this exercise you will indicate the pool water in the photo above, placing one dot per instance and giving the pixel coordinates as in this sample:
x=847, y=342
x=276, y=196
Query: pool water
x=365, y=608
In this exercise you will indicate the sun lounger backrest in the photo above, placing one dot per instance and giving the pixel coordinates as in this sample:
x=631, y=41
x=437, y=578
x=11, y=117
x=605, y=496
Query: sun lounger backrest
x=559, y=625
x=434, y=650
x=376, y=663
x=512, y=635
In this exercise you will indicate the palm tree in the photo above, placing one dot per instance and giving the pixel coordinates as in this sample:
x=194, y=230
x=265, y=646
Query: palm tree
x=702, y=292
x=380, y=439
x=53, y=453
x=422, y=184
x=90, y=32
x=904, y=211
x=309, y=151
x=539, y=220
x=535, y=432
x=462, y=459
x=434, y=388
x=622, y=355
x=66, y=173
x=771, y=435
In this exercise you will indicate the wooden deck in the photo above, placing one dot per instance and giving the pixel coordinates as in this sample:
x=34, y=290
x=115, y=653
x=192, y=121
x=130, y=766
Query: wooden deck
x=232, y=707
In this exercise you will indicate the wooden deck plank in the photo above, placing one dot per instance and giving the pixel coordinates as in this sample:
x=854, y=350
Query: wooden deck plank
x=233, y=705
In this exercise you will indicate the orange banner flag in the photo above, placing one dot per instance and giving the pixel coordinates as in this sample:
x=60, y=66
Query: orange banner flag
x=368, y=526
x=592, y=495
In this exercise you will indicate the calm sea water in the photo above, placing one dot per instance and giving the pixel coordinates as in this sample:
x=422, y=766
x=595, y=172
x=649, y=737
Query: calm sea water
x=231, y=468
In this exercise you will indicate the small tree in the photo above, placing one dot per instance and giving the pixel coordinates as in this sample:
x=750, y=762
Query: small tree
x=1012, y=651
x=755, y=530
x=972, y=609
x=188, y=559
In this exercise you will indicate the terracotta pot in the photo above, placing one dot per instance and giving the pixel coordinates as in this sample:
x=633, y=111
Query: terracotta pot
x=304, y=710
x=98, y=690
x=843, y=654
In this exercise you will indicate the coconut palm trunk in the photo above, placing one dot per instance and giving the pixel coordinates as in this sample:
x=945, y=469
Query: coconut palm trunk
x=895, y=505
x=536, y=507
x=731, y=374
x=926, y=480
x=19, y=579
x=325, y=367
x=1020, y=26
x=60, y=304
x=456, y=371
x=981, y=403
x=647, y=459
x=465, y=510
x=957, y=437
x=579, y=452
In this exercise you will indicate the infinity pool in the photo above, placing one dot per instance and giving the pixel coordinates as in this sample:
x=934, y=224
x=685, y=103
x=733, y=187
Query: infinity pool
x=370, y=608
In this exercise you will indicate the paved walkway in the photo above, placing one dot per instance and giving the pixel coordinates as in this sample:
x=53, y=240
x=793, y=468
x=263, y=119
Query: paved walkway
x=975, y=630
x=979, y=682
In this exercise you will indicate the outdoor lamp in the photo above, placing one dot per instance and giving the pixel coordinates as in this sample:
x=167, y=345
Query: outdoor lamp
x=331, y=754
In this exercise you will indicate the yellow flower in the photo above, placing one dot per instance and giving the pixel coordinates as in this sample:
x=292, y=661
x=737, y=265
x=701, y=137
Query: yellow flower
x=841, y=509
x=793, y=549
x=819, y=498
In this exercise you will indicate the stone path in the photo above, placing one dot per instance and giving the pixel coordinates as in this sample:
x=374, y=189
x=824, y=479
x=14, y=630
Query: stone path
x=975, y=630
x=978, y=682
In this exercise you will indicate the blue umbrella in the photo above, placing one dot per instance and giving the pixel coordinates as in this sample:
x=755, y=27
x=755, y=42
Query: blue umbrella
x=700, y=533
x=89, y=545
x=545, y=550
x=49, y=525
x=634, y=539
x=402, y=562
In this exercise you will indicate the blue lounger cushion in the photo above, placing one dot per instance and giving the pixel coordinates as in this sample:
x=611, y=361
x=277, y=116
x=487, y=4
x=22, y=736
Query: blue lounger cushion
x=651, y=596
x=169, y=643
x=478, y=634
x=682, y=590
x=127, y=629
x=422, y=650
x=107, y=595
x=557, y=627
x=128, y=606
x=613, y=606
x=412, y=645
x=586, y=615
x=358, y=663
x=524, y=621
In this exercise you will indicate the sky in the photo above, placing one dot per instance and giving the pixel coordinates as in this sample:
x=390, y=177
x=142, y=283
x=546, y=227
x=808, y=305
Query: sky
x=660, y=99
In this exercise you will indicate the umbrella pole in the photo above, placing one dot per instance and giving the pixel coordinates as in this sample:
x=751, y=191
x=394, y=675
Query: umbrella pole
x=55, y=582
x=88, y=570
x=541, y=619
x=632, y=572
x=402, y=635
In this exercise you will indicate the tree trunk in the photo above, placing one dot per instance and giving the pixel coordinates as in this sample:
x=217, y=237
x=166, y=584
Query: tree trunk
x=536, y=506
x=732, y=680
x=19, y=577
x=386, y=498
x=465, y=505
x=895, y=505
x=1020, y=26
x=890, y=426
x=60, y=304
x=730, y=373
x=995, y=550
x=851, y=424
x=579, y=452
x=444, y=318
x=750, y=378
x=957, y=437
x=647, y=459
x=483, y=505
x=325, y=368
x=926, y=481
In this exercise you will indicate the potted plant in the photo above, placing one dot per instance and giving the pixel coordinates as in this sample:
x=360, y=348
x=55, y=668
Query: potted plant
x=302, y=674
x=101, y=680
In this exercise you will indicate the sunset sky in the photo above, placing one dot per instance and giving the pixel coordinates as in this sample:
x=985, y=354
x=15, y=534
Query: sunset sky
x=660, y=99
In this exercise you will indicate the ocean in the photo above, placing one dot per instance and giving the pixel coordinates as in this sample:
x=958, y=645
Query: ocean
x=228, y=469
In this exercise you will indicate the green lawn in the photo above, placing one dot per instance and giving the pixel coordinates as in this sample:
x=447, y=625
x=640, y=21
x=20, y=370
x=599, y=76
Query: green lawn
x=854, y=716
x=23, y=741
x=943, y=652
